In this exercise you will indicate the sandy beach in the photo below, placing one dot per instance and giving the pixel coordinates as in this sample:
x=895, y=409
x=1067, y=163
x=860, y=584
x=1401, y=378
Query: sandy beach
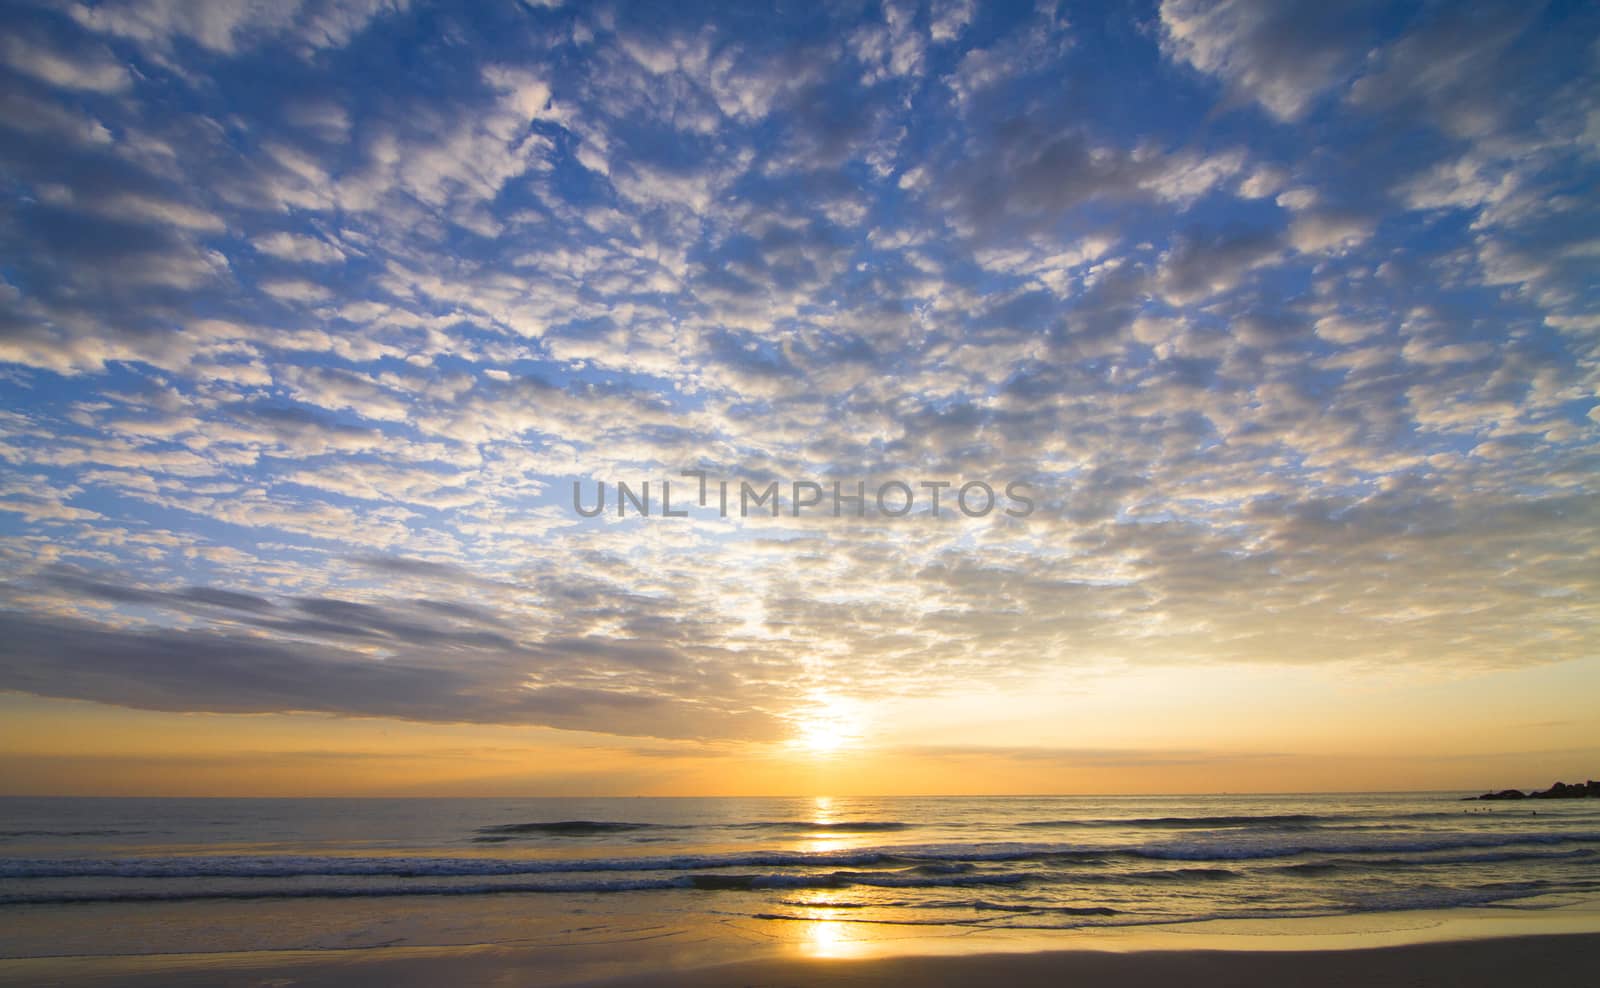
x=1462, y=964
x=1461, y=949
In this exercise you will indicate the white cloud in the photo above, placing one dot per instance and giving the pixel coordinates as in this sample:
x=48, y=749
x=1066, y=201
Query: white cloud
x=1314, y=232
x=950, y=18
x=98, y=72
x=894, y=49
x=296, y=247
x=1263, y=181
x=1279, y=54
x=296, y=290
x=228, y=25
x=1343, y=329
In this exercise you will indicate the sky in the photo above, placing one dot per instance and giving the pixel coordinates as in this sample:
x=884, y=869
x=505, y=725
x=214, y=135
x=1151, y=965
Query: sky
x=1284, y=315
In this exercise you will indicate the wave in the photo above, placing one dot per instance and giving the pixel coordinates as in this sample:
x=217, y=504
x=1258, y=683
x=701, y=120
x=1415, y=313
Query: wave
x=839, y=904
x=1183, y=875
x=1239, y=852
x=602, y=828
x=711, y=882
x=339, y=891
x=506, y=832
x=983, y=905
x=14, y=834
x=919, y=856
x=835, y=826
x=1014, y=915
x=1022, y=916
x=1228, y=851
x=1244, y=820
x=1491, y=857
x=907, y=879
x=977, y=905
x=265, y=866
x=567, y=828
x=1184, y=822
x=1312, y=868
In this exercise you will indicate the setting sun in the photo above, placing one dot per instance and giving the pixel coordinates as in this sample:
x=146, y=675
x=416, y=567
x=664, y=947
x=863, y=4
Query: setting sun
x=828, y=726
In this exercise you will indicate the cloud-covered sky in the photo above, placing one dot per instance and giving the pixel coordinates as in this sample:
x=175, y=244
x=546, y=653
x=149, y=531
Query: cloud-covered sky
x=311, y=314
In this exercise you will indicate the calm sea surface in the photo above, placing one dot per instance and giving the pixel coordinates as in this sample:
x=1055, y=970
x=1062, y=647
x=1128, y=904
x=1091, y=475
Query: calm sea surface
x=85, y=875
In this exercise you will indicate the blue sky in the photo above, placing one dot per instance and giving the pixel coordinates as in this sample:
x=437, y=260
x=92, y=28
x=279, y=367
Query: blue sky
x=312, y=312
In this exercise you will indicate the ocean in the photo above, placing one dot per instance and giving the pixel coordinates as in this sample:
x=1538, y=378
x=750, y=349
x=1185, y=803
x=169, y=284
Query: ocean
x=86, y=876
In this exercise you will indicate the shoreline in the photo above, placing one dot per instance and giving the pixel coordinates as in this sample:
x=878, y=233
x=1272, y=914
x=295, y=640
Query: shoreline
x=1462, y=964
x=1462, y=947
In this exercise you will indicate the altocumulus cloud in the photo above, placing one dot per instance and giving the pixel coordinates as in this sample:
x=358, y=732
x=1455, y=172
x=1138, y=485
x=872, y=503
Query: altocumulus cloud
x=314, y=312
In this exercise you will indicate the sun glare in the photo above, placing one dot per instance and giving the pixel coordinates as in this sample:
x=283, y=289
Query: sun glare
x=829, y=725
x=823, y=737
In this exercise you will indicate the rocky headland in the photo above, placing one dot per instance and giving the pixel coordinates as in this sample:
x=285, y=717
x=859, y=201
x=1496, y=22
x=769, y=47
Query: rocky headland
x=1561, y=790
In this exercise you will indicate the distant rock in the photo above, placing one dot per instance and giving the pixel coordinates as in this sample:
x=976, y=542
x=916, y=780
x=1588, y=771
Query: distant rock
x=1561, y=790
x=1502, y=794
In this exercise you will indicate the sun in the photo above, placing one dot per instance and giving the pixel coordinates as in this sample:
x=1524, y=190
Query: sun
x=827, y=726
x=823, y=737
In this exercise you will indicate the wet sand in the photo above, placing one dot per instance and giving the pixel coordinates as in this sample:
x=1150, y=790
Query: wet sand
x=1463, y=964
x=1460, y=964
x=1462, y=949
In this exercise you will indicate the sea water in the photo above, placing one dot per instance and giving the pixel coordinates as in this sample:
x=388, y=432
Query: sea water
x=158, y=875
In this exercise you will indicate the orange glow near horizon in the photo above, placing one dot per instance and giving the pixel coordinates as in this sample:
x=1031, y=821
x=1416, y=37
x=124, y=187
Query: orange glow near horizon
x=1288, y=730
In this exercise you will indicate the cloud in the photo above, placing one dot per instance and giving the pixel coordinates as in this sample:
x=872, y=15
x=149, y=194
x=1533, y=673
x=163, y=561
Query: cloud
x=1207, y=262
x=893, y=49
x=950, y=18
x=94, y=71
x=300, y=366
x=1313, y=232
x=226, y=26
x=296, y=290
x=1282, y=54
x=176, y=669
x=1452, y=69
x=1027, y=173
x=296, y=247
x=38, y=117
